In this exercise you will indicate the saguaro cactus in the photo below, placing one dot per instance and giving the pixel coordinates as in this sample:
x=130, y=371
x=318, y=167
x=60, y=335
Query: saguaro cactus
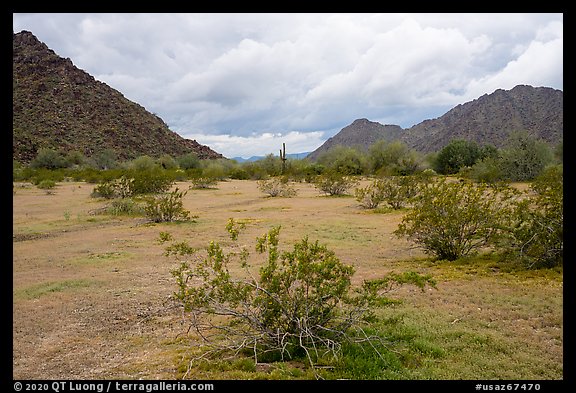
x=283, y=157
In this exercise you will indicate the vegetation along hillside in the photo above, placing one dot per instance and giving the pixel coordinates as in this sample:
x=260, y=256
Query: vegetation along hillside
x=58, y=106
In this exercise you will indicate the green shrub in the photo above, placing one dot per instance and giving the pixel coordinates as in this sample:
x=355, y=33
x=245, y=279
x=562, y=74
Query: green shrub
x=150, y=181
x=46, y=184
x=451, y=220
x=104, y=190
x=203, y=182
x=344, y=160
x=370, y=196
x=537, y=237
x=524, y=157
x=397, y=191
x=167, y=207
x=334, y=183
x=48, y=159
x=188, y=161
x=124, y=207
x=300, y=303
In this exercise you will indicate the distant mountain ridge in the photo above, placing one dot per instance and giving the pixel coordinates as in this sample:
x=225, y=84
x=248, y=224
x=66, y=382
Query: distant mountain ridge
x=297, y=156
x=488, y=119
x=361, y=133
x=57, y=105
x=491, y=117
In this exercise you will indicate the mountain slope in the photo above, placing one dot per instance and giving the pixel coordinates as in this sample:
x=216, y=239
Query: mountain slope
x=490, y=119
x=486, y=120
x=362, y=133
x=59, y=106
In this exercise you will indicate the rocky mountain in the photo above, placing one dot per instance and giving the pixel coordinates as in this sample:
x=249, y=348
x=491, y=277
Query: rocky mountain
x=361, y=133
x=488, y=119
x=57, y=105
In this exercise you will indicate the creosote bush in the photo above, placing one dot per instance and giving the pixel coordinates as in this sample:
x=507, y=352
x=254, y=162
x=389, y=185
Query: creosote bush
x=299, y=303
x=536, y=236
x=333, y=183
x=396, y=191
x=277, y=187
x=453, y=219
x=167, y=207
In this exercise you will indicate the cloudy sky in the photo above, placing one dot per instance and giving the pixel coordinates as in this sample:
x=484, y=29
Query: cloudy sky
x=245, y=83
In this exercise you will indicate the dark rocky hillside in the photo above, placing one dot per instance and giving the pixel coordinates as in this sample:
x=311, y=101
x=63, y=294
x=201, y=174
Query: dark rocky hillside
x=486, y=120
x=490, y=119
x=57, y=105
x=361, y=133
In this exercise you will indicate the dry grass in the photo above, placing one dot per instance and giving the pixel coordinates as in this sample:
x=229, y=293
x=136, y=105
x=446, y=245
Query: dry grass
x=91, y=293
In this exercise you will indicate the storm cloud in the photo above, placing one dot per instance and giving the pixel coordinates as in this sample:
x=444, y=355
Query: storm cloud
x=245, y=83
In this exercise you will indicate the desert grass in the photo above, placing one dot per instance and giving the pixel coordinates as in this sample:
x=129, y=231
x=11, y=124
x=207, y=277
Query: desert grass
x=92, y=294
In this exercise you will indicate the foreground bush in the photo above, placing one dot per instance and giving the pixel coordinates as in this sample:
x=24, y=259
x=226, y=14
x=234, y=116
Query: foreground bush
x=300, y=303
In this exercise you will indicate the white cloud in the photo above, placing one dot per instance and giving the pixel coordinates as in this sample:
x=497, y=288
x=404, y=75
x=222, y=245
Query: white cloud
x=261, y=144
x=230, y=78
x=540, y=63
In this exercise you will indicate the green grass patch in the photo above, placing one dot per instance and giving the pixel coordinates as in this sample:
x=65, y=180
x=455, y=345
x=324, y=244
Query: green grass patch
x=39, y=290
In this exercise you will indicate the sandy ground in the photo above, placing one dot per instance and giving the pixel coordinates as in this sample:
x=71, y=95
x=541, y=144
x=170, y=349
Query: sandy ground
x=91, y=293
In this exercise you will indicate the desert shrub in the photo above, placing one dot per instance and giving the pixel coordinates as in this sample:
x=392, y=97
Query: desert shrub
x=536, y=236
x=105, y=159
x=143, y=163
x=454, y=219
x=214, y=169
x=167, y=207
x=397, y=191
x=152, y=181
x=188, y=161
x=46, y=184
x=524, y=157
x=124, y=207
x=334, y=183
x=487, y=170
x=299, y=304
x=457, y=154
x=203, y=182
x=49, y=159
x=36, y=176
x=392, y=158
x=277, y=187
x=104, y=190
x=370, y=196
x=239, y=173
x=344, y=160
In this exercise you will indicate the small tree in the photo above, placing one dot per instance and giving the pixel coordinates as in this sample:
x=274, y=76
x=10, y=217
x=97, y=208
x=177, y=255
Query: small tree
x=451, y=220
x=457, y=154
